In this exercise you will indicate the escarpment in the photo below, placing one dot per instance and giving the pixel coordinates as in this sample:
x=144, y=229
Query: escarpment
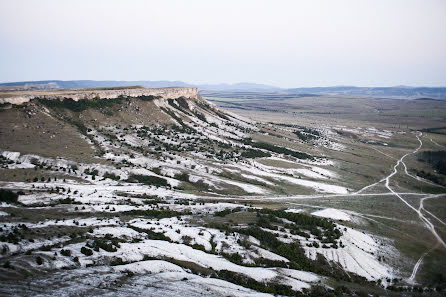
x=102, y=93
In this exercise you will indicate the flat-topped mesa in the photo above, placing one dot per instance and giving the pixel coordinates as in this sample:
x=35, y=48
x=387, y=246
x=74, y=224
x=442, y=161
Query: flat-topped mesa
x=103, y=93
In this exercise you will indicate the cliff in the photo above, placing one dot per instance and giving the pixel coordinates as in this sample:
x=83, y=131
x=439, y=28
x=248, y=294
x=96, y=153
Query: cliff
x=104, y=93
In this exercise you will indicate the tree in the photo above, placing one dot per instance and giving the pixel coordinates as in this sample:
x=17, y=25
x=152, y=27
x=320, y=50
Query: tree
x=39, y=260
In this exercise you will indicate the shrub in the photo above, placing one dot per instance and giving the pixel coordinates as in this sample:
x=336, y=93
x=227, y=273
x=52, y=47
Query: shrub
x=148, y=98
x=153, y=213
x=248, y=282
x=8, y=196
x=111, y=175
x=223, y=213
x=107, y=243
x=7, y=265
x=250, y=153
x=86, y=251
x=81, y=105
x=304, y=137
x=280, y=150
x=183, y=102
x=429, y=176
x=436, y=158
x=65, y=253
x=201, y=117
x=39, y=260
x=148, y=180
x=183, y=176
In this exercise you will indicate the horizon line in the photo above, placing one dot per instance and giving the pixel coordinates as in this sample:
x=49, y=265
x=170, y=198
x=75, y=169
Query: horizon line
x=235, y=83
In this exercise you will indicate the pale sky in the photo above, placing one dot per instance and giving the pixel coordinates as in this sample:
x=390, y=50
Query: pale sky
x=282, y=43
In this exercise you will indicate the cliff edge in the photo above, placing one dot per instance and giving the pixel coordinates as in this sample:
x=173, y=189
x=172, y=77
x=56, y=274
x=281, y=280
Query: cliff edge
x=103, y=93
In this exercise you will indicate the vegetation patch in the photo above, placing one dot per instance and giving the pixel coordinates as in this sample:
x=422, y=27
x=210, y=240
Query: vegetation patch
x=436, y=158
x=81, y=105
x=148, y=98
x=9, y=196
x=251, y=153
x=247, y=282
x=154, y=213
x=148, y=180
x=107, y=243
x=432, y=177
x=279, y=149
x=175, y=117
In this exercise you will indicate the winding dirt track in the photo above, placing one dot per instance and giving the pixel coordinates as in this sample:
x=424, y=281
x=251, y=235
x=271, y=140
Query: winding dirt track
x=423, y=218
x=428, y=224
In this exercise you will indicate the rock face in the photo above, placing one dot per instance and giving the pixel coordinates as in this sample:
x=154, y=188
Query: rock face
x=172, y=92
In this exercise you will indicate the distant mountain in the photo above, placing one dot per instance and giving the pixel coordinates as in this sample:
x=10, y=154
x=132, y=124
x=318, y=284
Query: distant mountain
x=399, y=92
x=80, y=84
x=238, y=87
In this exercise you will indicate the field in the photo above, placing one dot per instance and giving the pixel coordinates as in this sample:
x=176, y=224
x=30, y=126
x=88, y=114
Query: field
x=343, y=110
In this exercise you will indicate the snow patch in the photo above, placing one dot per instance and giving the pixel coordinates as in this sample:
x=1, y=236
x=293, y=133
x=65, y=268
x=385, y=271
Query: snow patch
x=331, y=213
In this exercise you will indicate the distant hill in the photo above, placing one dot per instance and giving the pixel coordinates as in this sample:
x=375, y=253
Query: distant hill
x=243, y=89
x=399, y=92
x=81, y=84
x=238, y=87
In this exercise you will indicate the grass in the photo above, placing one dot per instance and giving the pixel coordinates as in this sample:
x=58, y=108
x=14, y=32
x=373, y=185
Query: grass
x=437, y=207
x=343, y=109
x=237, y=218
x=24, y=175
x=42, y=135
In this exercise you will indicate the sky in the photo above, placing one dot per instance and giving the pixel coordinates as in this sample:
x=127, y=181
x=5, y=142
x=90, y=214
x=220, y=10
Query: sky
x=282, y=43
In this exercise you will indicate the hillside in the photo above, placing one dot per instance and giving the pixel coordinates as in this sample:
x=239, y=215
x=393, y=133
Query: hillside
x=144, y=188
x=188, y=126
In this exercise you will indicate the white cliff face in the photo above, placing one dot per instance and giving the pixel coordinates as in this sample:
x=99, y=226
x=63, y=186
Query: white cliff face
x=172, y=92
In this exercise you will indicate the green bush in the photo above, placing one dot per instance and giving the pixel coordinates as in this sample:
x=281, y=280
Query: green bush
x=8, y=196
x=250, y=153
x=81, y=105
x=148, y=98
x=304, y=137
x=107, y=243
x=223, y=212
x=248, y=282
x=65, y=253
x=174, y=116
x=281, y=150
x=436, y=158
x=86, y=251
x=148, y=180
x=182, y=102
x=183, y=176
x=201, y=117
x=429, y=176
x=39, y=260
x=111, y=175
x=153, y=213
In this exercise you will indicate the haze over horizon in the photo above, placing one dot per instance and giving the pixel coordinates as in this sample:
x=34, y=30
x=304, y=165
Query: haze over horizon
x=284, y=44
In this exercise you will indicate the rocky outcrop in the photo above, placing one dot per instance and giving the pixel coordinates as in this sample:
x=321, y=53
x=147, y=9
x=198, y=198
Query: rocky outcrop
x=172, y=92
